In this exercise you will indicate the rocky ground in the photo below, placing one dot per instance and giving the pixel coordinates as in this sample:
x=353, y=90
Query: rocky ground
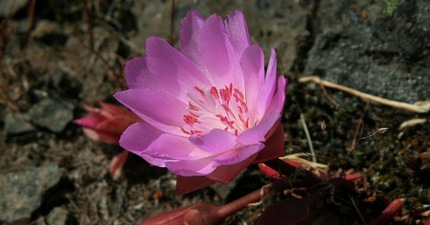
x=59, y=55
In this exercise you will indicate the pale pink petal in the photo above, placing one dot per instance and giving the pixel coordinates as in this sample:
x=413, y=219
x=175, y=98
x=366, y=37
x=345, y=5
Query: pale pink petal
x=189, y=184
x=137, y=137
x=274, y=146
x=267, y=90
x=237, y=31
x=188, y=168
x=189, y=36
x=172, y=69
x=225, y=174
x=272, y=66
x=215, y=141
x=238, y=155
x=137, y=74
x=258, y=133
x=217, y=54
x=252, y=63
x=155, y=107
x=173, y=147
x=92, y=134
x=278, y=100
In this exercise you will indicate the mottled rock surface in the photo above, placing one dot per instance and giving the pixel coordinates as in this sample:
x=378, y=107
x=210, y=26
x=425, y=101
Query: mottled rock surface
x=22, y=190
x=359, y=45
x=53, y=114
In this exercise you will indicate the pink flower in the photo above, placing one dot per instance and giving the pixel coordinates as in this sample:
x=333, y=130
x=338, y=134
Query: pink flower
x=107, y=123
x=210, y=109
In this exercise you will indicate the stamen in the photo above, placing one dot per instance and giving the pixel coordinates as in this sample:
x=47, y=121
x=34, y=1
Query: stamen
x=226, y=108
x=214, y=109
x=191, y=119
x=214, y=92
x=225, y=95
x=200, y=91
x=192, y=107
x=185, y=131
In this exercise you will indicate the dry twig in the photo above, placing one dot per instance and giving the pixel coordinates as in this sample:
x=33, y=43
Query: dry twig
x=365, y=96
x=308, y=137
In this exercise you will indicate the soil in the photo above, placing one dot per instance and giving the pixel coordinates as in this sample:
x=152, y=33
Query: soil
x=57, y=57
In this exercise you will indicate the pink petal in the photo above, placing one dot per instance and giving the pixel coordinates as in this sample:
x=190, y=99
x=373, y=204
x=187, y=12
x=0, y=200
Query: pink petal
x=137, y=137
x=215, y=141
x=225, y=174
x=173, y=147
x=155, y=106
x=189, y=36
x=86, y=122
x=257, y=134
x=278, y=100
x=271, y=68
x=190, y=184
x=237, y=31
x=218, y=54
x=238, y=155
x=252, y=63
x=267, y=90
x=137, y=74
x=274, y=146
x=188, y=168
x=172, y=69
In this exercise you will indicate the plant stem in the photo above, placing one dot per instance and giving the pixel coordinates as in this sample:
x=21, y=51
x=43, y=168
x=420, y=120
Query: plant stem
x=253, y=197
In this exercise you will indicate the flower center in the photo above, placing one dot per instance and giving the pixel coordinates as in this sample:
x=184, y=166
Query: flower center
x=211, y=108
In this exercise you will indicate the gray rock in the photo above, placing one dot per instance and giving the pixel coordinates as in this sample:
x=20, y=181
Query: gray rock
x=366, y=49
x=53, y=114
x=58, y=216
x=22, y=190
x=15, y=124
x=14, y=6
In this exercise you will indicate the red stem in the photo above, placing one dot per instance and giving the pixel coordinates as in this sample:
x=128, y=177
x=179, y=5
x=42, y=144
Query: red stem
x=253, y=197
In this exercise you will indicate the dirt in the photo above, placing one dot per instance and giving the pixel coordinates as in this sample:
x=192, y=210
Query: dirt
x=56, y=58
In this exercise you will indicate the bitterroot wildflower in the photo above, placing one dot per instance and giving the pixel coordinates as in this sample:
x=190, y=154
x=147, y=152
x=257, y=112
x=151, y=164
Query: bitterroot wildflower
x=210, y=109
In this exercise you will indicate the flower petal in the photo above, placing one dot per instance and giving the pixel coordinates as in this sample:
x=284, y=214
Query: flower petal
x=278, y=100
x=274, y=146
x=137, y=74
x=172, y=69
x=252, y=63
x=215, y=141
x=267, y=90
x=227, y=173
x=258, y=133
x=189, y=36
x=218, y=55
x=235, y=156
x=237, y=31
x=155, y=107
x=188, y=168
x=173, y=147
x=137, y=137
x=89, y=122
